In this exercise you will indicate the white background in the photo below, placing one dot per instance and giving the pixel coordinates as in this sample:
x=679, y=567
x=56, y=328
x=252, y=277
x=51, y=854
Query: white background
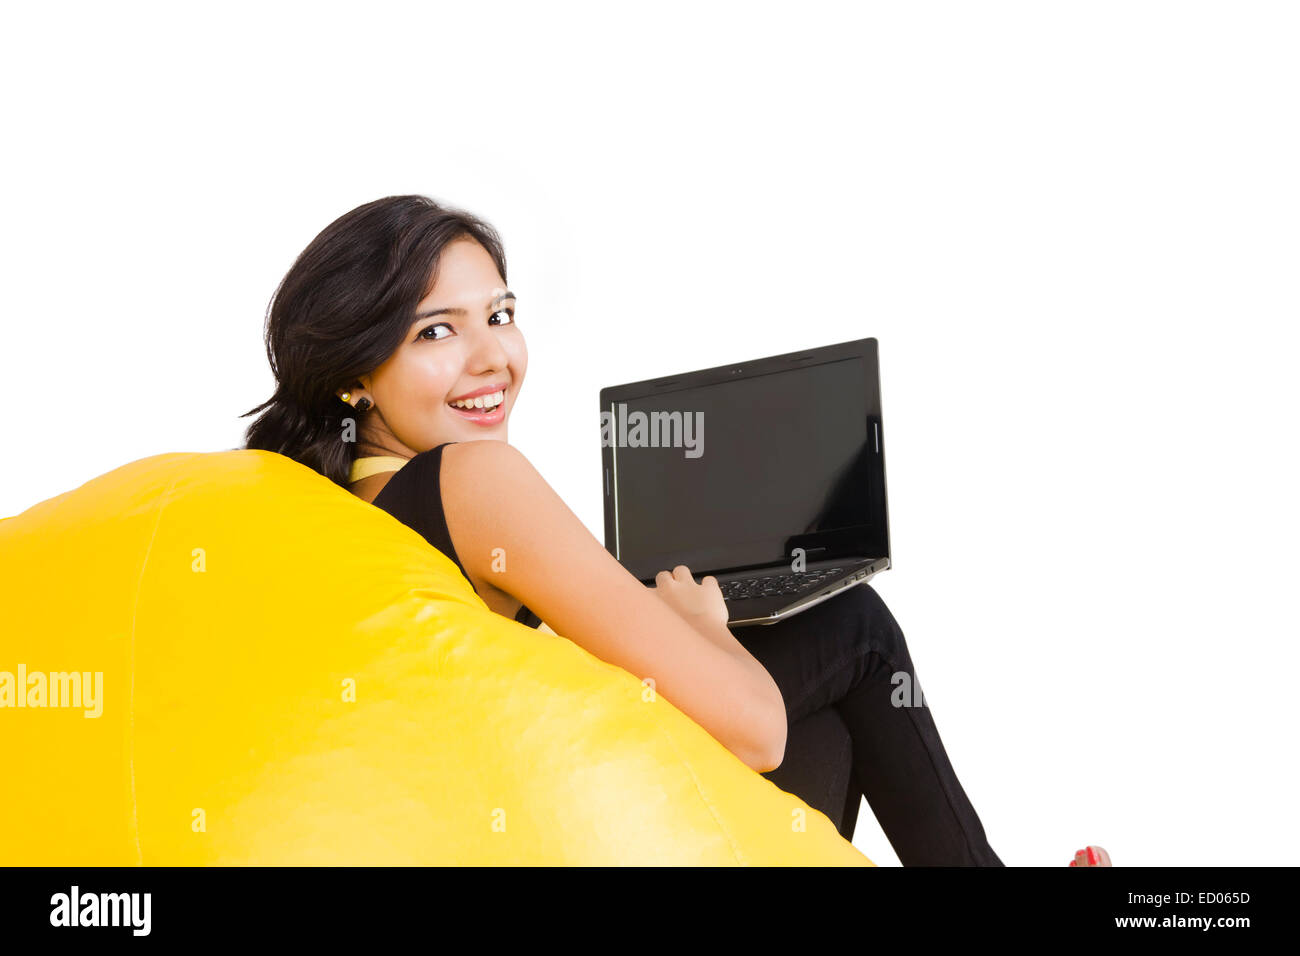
x=1073, y=228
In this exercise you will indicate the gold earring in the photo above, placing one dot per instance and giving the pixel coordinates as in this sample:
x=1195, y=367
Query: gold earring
x=345, y=396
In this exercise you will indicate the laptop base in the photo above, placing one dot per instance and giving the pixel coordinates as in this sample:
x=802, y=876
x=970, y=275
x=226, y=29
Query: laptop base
x=769, y=609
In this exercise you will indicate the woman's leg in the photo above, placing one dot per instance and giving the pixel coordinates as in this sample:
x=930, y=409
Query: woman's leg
x=844, y=653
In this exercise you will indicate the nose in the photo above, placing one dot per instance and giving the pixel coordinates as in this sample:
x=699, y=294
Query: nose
x=486, y=352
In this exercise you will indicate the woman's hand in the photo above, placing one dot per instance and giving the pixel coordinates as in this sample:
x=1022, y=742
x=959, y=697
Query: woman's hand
x=700, y=604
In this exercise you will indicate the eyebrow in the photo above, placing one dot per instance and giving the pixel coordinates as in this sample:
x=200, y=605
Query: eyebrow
x=429, y=313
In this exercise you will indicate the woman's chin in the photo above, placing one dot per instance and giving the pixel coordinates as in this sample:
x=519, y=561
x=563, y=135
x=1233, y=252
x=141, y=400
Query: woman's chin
x=468, y=431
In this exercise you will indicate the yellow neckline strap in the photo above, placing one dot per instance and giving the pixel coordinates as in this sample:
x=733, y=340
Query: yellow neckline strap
x=374, y=465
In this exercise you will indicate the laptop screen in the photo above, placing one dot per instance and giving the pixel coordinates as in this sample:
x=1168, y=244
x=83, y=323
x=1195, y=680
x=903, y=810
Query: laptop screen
x=748, y=469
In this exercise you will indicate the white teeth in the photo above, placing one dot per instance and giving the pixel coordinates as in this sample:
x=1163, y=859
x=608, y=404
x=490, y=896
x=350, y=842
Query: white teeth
x=481, y=401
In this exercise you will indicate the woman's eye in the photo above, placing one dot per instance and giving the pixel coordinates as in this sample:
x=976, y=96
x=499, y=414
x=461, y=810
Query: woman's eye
x=446, y=330
x=443, y=326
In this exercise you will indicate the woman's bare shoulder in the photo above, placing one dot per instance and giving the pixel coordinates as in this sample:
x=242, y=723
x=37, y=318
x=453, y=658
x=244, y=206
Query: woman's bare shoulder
x=490, y=493
x=470, y=461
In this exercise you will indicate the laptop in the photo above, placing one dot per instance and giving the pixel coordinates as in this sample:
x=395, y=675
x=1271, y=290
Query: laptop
x=768, y=474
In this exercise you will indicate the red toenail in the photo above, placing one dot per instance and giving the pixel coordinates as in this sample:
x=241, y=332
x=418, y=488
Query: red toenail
x=1092, y=857
x=1073, y=863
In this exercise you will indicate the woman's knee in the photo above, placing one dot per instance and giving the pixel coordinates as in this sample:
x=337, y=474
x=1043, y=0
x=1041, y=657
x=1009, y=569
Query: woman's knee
x=877, y=626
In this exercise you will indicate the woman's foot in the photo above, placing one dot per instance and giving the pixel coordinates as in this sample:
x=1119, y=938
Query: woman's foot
x=1091, y=856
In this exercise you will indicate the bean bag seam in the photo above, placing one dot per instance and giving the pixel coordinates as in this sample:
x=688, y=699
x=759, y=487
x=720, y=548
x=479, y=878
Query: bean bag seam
x=731, y=842
x=135, y=608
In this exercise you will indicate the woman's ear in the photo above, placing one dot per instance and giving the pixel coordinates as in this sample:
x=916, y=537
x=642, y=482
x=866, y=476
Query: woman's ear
x=361, y=404
x=349, y=393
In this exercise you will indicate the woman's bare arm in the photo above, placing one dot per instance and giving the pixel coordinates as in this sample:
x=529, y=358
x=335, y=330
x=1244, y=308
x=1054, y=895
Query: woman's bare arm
x=495, y=499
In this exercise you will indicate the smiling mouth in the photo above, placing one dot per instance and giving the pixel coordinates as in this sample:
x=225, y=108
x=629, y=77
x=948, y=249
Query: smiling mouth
x=484, y=403
x=484, y=409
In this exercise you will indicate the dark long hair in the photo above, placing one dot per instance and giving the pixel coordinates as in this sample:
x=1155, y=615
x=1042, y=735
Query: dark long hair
x=341, y=310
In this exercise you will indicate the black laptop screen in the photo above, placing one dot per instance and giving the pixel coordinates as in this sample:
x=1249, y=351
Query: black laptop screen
x=756, y=467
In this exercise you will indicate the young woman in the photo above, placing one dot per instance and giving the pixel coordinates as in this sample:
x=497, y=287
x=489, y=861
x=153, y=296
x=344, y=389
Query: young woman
x=398, y=360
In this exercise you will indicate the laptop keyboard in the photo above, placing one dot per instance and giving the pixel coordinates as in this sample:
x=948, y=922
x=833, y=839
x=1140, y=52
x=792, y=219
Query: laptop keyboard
x=776, y=584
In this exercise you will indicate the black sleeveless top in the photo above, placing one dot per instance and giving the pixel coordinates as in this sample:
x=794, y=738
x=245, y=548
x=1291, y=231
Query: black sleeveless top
x=414, y=497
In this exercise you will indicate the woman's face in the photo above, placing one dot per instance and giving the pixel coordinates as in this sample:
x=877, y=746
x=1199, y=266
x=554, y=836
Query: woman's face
x=467, y=354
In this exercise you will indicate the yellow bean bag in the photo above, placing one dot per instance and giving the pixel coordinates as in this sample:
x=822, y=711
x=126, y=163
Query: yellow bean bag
x=292, y=676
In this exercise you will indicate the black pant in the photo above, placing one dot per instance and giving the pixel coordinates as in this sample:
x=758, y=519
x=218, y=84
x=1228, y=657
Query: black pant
x=836, y=665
